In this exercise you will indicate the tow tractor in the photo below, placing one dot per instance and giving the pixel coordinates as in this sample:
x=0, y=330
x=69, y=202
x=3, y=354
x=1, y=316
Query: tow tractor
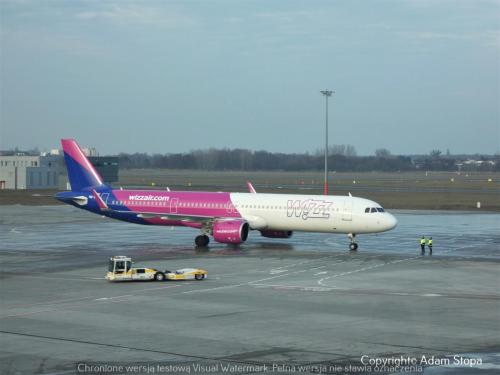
x=120, y=268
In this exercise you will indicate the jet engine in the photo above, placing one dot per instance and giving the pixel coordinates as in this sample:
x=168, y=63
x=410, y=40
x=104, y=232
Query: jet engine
x=230, y=231
x=276, y=233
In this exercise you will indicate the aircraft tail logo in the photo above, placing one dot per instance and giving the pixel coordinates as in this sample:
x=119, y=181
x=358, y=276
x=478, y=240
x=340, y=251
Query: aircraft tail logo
x=81, y=172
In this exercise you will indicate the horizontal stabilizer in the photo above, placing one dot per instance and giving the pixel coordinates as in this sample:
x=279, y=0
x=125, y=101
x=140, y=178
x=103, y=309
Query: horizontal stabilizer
x=80, y=200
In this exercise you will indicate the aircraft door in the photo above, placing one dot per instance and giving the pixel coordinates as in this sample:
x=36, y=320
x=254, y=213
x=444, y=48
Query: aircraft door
x=174, y=203
x=347, y=211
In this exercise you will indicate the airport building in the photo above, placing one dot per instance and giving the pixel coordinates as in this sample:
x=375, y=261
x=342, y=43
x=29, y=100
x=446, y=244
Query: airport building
x=107, y=166
x=48, y=171
x=29, y=172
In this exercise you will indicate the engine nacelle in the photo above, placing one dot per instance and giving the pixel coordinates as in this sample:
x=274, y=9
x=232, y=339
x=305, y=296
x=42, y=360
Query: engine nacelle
x=230, y=231
x=276, y=233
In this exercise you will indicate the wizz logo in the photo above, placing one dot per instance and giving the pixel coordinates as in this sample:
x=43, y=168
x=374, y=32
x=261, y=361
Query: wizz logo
x=308, y=209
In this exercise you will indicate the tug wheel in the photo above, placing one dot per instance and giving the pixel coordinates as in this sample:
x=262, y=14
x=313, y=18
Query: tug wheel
x=159, y=276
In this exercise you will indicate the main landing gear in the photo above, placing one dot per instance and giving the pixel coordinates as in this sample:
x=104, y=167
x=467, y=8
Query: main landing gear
x=202, y=240
x=353, y=246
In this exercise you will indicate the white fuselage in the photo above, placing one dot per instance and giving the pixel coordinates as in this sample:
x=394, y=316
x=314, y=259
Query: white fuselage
x=312, y=213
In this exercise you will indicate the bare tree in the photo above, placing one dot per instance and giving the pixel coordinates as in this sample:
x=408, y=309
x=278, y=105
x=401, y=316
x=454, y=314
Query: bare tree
x=382, y=153
x=344, y=150
x=435, y=154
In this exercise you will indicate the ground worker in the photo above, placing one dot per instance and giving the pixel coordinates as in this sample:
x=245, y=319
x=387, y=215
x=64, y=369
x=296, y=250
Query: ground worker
x=422, y=245
x=429, y=244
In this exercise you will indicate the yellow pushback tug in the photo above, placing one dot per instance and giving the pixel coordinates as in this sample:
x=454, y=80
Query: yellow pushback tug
x=120, y=269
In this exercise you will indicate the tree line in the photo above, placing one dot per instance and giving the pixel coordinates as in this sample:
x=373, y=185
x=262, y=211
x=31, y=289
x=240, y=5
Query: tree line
x=341, y=158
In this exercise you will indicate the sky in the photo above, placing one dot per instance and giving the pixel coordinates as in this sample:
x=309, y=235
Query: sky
x=410, y=76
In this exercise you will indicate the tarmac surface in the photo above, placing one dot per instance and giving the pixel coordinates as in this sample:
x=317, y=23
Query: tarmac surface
x=305, y=301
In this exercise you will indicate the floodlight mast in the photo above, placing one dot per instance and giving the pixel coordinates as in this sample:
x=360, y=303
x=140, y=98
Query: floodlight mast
x=327, y=94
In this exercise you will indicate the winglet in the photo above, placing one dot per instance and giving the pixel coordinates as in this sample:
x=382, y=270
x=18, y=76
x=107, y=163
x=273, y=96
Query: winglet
x=251, y=189
x=100, y=203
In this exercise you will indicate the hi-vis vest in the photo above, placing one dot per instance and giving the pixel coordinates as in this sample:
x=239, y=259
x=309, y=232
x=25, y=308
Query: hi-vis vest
x=422, y=241
x=429, y=242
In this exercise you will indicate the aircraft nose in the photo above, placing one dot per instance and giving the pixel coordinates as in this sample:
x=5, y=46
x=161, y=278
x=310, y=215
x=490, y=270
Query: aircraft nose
x=390, y=222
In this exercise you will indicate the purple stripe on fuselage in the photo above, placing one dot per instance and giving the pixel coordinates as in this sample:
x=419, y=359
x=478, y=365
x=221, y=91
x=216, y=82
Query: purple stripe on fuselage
x=180, y=203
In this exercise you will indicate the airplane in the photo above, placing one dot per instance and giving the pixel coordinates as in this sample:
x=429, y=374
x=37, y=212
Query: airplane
x=227, y=217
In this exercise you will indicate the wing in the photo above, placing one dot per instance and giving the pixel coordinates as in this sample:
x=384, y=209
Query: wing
x=180, y=217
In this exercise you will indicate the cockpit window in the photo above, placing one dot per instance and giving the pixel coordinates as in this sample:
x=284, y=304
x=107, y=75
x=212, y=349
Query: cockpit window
x=374, y=209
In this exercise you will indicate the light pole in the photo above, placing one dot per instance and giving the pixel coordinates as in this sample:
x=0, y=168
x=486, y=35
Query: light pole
x=326, y=93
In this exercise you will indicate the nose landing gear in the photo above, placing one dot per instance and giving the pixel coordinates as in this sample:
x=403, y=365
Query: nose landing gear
x=353, y=246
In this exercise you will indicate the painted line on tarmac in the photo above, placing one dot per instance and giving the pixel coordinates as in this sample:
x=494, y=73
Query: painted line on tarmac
x=60, y=372
x=77, y=302
x=372, y=292
x=241, y=284
x=296, y=287
x=110, y=298
x=67, y=300
x=317, y=268
x=274, y=271
x=249, y=283
x=321, y=281
x=239, y=273
x=308, y=261
x=66, y=279
x=277, y=276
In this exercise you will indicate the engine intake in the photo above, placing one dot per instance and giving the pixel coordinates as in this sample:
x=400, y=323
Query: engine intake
x=230, y=231
x=276, y=233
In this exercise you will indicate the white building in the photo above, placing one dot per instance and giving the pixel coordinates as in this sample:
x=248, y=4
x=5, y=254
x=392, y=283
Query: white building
x=29, y=172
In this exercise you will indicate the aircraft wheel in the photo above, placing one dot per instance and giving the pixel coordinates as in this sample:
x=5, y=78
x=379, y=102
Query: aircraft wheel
x=159, y=276
x=353, y=246
x=202, y=241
